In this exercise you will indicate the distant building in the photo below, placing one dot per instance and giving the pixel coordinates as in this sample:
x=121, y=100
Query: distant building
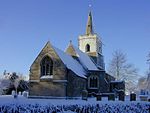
x=66, y=74
x=143, y=86
x=148, y=82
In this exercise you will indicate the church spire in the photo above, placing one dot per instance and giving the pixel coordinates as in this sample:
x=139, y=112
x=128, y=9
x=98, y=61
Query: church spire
x=89, y=27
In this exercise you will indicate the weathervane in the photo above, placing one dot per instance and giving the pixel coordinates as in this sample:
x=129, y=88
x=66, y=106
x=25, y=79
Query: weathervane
x=90, y=5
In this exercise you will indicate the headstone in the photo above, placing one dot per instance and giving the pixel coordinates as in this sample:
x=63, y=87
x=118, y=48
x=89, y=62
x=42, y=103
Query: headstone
x=13, y=93
x=111, y=97
x=121, y=95
x=98, y=97
x=19, y=93
x=143, y=97
x=84, y=95
x=132, y=97
x=25, y=94
x=15, y=96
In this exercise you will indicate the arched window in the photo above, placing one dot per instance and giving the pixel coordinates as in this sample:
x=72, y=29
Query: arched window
x=93, y=82
x=46, y=66
x=87, y=48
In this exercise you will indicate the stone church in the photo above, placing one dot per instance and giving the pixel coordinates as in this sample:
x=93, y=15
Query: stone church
x=56, y=73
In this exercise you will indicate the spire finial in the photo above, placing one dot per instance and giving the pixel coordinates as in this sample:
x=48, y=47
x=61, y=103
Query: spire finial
x=70, y=42
x=90, y=7
x=89, y=27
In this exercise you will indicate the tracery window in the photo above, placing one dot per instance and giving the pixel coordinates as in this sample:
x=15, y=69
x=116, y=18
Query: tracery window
x=46, y=66
x=93, y=82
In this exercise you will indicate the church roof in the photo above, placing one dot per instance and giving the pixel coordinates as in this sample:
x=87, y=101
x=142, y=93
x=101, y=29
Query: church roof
x=71, y=63
x=86, y=60
x=83, y=58
x=70, y=50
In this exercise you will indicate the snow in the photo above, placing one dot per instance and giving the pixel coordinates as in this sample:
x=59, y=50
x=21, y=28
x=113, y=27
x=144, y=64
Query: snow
x=59, y=80
x=85, y=60
x=143, y=95
x=47, y=77
x=25, y=105
x=71, y=63
x=117, y=81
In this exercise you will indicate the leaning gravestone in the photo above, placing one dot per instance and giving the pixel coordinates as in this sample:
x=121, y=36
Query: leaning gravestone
x=132, y=97
x=84, y=95
x=121, y=95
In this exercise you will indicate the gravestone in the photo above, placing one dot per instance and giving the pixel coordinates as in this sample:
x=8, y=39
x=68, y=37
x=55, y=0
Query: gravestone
x=98, y=97
x=121, y=95
x=111, y=97
x=25, y=94
x=143, y=97
x=84, y=95
x=132, y=97
x=20, y=93
x=13, y=93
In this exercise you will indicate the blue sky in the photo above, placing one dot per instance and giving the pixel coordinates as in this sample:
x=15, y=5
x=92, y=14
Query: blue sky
x=26, y=26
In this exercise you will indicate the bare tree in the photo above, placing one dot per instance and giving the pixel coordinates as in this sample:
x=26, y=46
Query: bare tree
x=5, y=84
x=148, y=77
x=13, y=81
x=148, y=82
x=142, y=83
x=16, y=84
x=122, y=70
x=19, y=81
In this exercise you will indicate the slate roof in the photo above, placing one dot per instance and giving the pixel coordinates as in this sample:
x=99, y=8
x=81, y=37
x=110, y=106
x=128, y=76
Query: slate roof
x=71, y=63
x=85, y=60
x=80, y=66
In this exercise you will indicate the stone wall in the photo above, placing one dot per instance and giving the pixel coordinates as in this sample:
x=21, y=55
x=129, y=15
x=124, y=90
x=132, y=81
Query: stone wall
x=75, y=85
x=47, y=87
x=93, y=74
x=103, y=86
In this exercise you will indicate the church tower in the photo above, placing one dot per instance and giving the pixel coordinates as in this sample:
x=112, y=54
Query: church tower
x=91, y=44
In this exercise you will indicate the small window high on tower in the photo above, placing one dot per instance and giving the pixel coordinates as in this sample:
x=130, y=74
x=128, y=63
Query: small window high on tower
x=87, y=48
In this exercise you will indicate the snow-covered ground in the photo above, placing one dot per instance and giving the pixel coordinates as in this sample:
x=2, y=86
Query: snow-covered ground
x=25, y=105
